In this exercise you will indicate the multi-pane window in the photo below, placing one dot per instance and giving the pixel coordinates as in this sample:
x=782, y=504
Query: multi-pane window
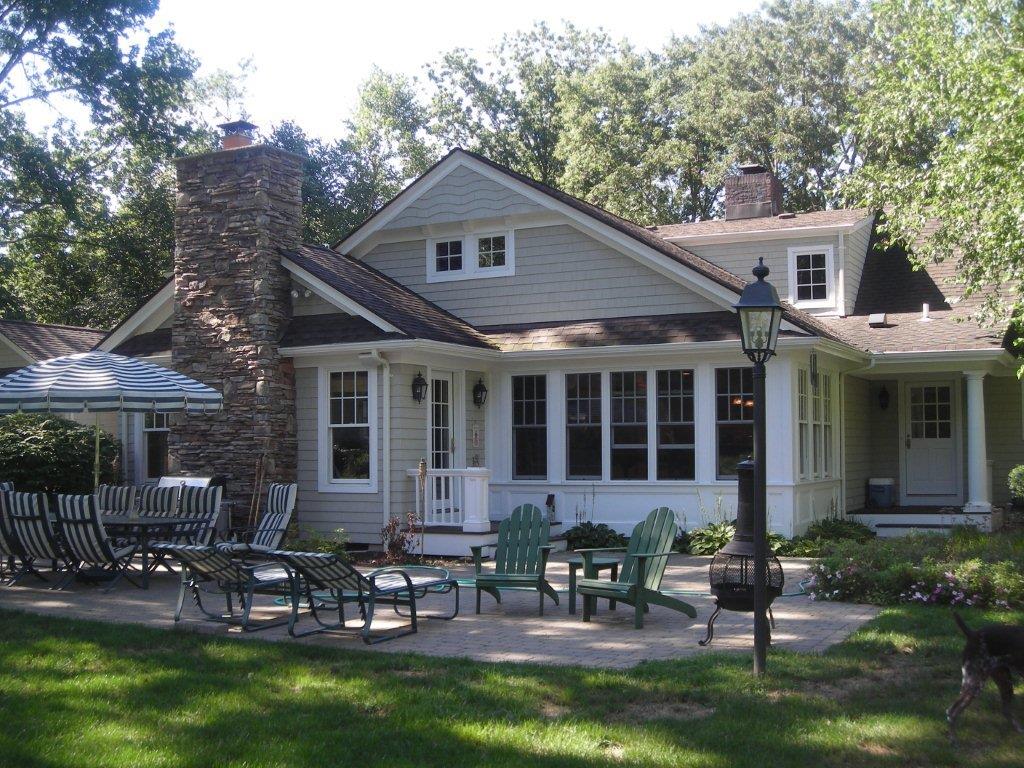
x=803, y=420
x=676, y=459
x=930, y=413
x=817, y=428
x=826, y=422
x=529, y=428
x=583, y=426
x=448, y=256
x=811, y=276
x=349, y=425
x=734, y=417
x=154, y=433
x=490, y=251
x=629, y=425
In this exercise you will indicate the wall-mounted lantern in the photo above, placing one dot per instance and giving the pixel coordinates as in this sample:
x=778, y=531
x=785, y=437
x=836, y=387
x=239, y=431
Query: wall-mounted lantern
x=883, y=398
x=479, y=394
x=419, y=388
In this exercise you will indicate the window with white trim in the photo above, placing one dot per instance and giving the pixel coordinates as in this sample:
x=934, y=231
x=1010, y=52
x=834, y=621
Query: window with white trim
x=812, y=276
x=529, y=427
x=803, y=421
x=629, y=425
x=734, y=416
x=825, y=385
x=583, y=447
x=815, y=426
x=467, y=257
x=348, y=431
x=676, y=446
x=155, y=430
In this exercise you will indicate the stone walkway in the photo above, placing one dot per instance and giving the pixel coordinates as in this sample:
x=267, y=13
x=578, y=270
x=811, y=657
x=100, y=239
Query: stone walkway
x=511, y=632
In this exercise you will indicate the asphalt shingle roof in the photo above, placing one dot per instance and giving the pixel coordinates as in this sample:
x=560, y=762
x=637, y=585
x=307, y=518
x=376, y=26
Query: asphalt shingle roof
x=333, y=328
x=839, y=217
x=43, y=340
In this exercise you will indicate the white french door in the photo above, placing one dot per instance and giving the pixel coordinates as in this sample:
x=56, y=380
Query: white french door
x=930, y=441
x=442, y=434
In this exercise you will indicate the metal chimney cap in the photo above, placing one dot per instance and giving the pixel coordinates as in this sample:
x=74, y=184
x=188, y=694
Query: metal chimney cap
x=750, y=167
x=237, y=126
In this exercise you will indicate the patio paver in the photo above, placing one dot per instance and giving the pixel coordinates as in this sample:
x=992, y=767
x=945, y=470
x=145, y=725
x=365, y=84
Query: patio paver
x=511, y=632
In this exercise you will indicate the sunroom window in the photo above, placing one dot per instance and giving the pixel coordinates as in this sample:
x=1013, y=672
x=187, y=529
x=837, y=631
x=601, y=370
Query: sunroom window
x=629, y=425
x=734, y=412
x=676, y=447
x=529, y=427
x=583, y=426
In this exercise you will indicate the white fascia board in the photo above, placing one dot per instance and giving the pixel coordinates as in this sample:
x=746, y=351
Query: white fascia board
x=771, y=234
x=335, y=297
x=475, y=353
x=610, y=236
x=161, y=298
x=953, y=356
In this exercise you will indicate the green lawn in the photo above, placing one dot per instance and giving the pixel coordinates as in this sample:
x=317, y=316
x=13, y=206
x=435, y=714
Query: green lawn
x=82, y=694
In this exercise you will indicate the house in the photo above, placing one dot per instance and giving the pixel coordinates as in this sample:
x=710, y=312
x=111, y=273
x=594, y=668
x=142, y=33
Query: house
x=530, y=347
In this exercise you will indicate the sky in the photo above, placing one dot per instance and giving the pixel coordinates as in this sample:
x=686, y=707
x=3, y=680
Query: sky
x=311, y=55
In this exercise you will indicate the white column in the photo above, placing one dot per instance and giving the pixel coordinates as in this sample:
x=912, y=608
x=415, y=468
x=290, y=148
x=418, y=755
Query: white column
x=978, y=491
x=475, y=499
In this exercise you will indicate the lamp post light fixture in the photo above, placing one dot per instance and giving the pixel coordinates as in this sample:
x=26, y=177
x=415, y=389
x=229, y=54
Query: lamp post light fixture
x=479, y=394
x=760, y=316
x=419, y=388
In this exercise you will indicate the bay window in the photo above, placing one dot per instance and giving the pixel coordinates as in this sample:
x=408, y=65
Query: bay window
x=529, y=428
x=629, y=425
x=583, y=426
x=676, y=447
x=734, y=417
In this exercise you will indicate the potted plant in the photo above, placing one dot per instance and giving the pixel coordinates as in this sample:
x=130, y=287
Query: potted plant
x=1015, y=482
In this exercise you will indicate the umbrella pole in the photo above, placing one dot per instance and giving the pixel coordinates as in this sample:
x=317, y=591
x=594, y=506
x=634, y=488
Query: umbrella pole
x=96, y=458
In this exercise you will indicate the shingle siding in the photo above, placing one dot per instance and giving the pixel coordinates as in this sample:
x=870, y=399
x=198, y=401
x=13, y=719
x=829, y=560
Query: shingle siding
x=1004, y=431
x=856, y=252
x=463, y=194
x=857, y=440
x=561, y=274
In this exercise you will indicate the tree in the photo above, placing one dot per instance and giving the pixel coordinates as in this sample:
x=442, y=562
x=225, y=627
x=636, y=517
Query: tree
x=942, y=123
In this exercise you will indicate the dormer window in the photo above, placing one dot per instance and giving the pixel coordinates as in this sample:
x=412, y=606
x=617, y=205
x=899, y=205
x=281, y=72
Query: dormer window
x=811, y=277
x=489, y=254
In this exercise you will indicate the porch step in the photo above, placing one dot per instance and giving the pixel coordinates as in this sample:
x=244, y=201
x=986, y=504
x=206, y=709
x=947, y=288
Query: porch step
x=901, y=521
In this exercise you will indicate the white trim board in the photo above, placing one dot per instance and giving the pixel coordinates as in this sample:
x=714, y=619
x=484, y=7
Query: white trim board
x=335, y=297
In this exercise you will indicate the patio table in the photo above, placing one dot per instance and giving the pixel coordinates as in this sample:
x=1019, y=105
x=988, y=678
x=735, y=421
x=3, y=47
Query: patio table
x=145, y=529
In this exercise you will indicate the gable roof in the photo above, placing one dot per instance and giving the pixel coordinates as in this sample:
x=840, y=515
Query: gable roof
x=410, y=313
x=45, y=340
x=846, y=217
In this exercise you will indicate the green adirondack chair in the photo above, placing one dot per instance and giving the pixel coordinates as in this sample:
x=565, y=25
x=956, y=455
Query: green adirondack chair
x=521, y=556
x=639, y=580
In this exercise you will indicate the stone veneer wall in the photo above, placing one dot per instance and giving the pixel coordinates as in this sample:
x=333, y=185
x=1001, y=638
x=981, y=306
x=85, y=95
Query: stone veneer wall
x=234, y=209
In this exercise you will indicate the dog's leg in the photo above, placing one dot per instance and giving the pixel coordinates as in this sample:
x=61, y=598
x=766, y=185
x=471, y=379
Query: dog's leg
x=1003, y=680
x=973, y=679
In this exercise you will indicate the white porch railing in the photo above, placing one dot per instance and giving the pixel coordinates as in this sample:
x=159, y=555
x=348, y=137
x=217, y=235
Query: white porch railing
x=453, y=497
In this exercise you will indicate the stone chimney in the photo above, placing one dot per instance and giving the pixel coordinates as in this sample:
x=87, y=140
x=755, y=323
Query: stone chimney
x=753, y=193
x=234, y=209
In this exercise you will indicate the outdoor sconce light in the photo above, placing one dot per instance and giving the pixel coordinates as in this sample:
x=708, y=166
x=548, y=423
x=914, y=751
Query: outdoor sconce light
x=883, y=398
x=419, y=388
x=479, y=394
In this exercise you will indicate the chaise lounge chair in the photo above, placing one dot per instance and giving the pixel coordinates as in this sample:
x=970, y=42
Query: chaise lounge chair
x=326, y=572
x=520, y=559
x=639, y=580
x=272, y=527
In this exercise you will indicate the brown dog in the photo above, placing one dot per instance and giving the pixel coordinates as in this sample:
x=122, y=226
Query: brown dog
x=996, y=651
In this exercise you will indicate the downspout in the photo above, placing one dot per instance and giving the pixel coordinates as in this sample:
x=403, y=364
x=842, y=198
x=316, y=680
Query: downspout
x=381, y=362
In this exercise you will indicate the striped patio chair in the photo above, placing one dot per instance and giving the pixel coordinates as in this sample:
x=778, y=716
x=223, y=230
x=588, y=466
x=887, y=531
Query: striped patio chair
x=201, y=505
x=95, y=557
x=272, y=526
x=326, y=572
x=115, y=499
x=6, y=485
x=10, y=547
x=206, y=570
x=159, y=501
x=30, y=521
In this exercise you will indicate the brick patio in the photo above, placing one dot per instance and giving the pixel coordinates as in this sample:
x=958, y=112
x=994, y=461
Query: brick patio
x=509, y=632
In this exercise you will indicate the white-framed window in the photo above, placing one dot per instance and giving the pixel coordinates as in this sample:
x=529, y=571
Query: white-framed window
x=348, y=431
x=583, y=438
x=472, y=256
x=812, y=276
x=529, y=427
x=628, y=424
x=815, y=436
x=734, y=418
x=155, y=430
x=676, y=442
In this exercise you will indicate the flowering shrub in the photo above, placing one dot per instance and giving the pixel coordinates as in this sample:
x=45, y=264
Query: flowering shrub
x=965, y=568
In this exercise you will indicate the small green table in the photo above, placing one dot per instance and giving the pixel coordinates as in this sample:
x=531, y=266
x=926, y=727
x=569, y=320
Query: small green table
x=600, y=564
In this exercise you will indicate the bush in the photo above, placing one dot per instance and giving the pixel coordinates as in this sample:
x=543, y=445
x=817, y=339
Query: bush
x=335, y=543
x=398, y=542
x=966, y=568
x=710, y=538
x=822, y=535
x=43, y=452
x=1015, y=482
x=587, y=535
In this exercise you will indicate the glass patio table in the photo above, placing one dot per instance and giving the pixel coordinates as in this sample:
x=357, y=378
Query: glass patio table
x=145, y=529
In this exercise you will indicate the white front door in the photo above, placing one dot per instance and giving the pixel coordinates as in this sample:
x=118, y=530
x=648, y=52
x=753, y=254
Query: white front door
x=442, y=433
x=930, y=441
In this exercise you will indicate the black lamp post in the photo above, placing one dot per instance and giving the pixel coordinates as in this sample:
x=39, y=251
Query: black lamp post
x=760, y=315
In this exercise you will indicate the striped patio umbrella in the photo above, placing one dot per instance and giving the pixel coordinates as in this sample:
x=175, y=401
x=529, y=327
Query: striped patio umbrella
x=101, y=382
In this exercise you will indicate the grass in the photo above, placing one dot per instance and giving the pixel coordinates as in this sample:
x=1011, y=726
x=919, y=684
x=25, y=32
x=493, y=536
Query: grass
x=76, y=693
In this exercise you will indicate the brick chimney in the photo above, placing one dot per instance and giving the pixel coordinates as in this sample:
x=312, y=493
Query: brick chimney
x=234, y=209
x=752, y=193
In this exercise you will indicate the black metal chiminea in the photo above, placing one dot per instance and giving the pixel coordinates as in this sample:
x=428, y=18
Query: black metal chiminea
x=732, y=569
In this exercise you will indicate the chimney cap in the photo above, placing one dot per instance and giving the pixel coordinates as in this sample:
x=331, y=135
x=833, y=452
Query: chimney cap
x=237, y=126
x=750, y=167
